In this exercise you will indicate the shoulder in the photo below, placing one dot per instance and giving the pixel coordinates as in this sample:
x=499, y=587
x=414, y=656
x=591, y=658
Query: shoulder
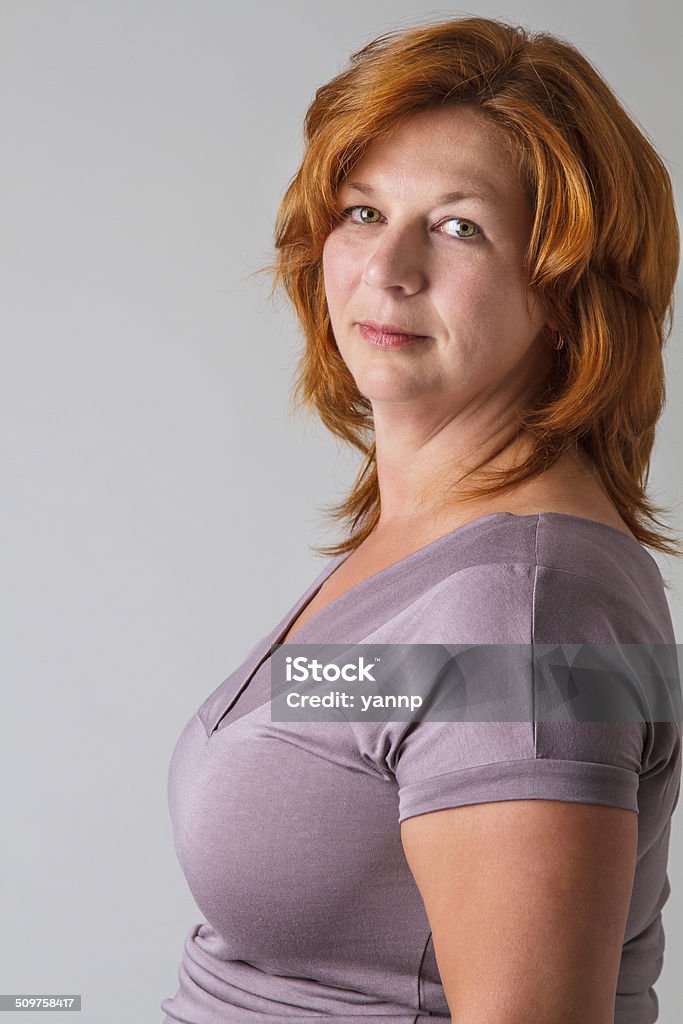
x=549, y=578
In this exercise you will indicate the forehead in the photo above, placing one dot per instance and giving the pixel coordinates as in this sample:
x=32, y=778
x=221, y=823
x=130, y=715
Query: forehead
x=448, y=149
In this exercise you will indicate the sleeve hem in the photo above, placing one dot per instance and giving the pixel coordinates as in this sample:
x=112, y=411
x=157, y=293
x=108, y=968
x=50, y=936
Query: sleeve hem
x=586, y=782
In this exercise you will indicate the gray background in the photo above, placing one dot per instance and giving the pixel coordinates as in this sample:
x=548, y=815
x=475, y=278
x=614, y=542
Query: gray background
x=158, y=498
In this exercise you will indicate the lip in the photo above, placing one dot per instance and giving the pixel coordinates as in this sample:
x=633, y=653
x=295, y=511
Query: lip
x=388, y=335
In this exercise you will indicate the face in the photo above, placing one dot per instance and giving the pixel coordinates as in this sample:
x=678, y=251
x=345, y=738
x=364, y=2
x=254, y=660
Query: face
x=450, y=271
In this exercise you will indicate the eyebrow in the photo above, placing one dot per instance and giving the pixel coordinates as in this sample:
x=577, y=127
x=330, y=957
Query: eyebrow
x=483, y=194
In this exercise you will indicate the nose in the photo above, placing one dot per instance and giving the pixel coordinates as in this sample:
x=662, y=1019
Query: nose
x=396, y=261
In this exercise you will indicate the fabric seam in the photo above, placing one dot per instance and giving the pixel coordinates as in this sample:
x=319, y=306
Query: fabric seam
x=419, y=974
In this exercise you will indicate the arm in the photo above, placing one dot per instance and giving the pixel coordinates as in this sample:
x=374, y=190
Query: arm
x=527, y=902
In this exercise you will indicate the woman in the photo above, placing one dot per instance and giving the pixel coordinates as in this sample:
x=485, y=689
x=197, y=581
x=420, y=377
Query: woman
x=482, y=248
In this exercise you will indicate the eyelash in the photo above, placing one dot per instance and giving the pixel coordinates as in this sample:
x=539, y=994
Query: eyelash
x=346, y=216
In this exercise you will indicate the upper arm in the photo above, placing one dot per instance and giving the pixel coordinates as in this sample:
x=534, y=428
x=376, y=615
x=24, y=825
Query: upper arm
x=527, y=901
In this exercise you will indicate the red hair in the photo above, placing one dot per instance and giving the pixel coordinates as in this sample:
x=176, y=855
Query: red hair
x=602, y=256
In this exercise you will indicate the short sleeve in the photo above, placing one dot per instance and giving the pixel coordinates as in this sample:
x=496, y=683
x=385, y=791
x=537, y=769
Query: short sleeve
x=559, y=748
x=585, y=762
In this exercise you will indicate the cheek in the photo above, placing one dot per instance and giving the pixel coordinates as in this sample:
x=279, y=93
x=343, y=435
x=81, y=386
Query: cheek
x=340, y=269
x=483, y=295
x=471, y=300
x=482, y=308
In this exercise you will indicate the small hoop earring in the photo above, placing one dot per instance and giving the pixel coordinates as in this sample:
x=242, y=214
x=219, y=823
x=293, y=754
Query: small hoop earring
x=559, y=342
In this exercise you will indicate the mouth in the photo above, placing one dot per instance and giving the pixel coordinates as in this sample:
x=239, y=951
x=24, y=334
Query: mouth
x=388, y=335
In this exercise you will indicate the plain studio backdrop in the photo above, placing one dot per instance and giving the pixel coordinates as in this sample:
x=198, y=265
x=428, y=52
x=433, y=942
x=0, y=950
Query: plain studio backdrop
x=158, y=499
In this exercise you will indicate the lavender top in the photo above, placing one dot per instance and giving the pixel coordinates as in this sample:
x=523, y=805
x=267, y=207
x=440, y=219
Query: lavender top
x=288, y=832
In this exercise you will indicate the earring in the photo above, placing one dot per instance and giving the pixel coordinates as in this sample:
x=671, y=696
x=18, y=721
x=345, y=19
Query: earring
x=560, y=342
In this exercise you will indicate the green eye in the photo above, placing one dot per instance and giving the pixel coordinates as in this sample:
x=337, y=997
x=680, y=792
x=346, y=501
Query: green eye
x=470, y=227
x=351, y=209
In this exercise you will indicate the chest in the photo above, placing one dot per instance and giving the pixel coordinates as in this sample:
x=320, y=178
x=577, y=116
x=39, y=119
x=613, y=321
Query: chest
x=281, y=828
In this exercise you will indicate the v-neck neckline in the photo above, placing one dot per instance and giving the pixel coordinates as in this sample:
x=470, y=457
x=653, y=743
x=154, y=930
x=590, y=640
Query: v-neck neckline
x=339, y=560
x=369, y=581
x=214, y=709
